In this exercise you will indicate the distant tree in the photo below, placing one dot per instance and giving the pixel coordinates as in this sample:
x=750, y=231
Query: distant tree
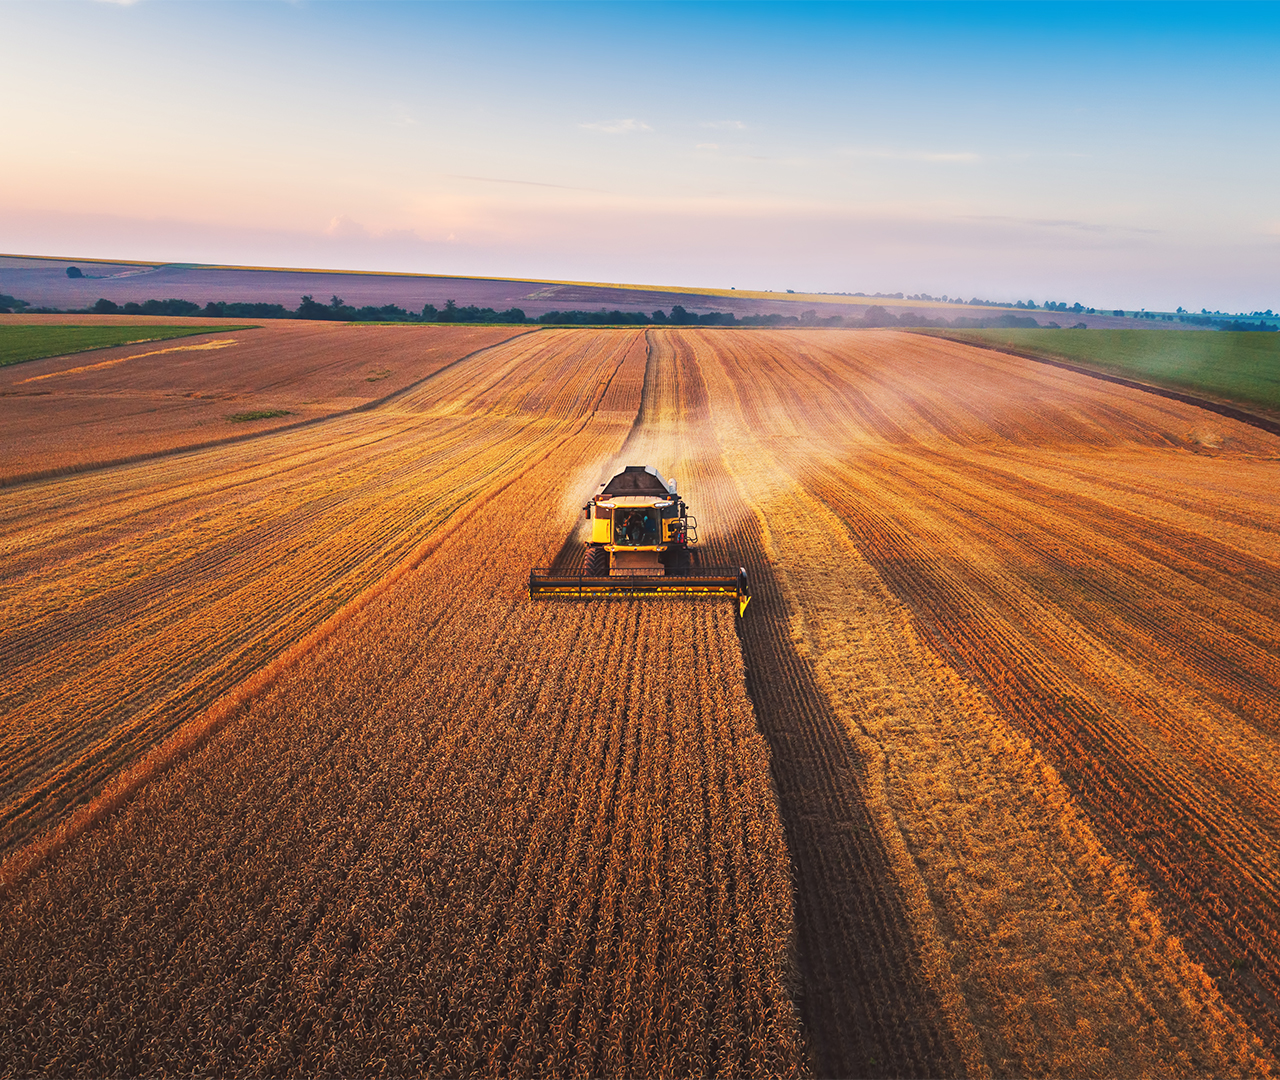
x=429, y=312
x=875, y=315
x=309, y=309
x=218, y=309
x=163, y=307
x=659, y=316
x=368, y=313
x=1118, y=312
x=769, y=320
x=680, y=317
x=74, y=272
x=105, y=307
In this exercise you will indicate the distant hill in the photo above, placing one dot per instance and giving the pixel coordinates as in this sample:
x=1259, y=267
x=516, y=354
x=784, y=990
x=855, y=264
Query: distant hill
x=43, y=281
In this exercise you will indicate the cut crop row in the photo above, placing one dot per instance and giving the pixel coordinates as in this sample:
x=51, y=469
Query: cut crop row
x=869, y=459
x=468, y=834
x=134, y=598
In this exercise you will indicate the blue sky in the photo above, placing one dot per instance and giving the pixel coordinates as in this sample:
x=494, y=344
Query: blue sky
x=1116, y=154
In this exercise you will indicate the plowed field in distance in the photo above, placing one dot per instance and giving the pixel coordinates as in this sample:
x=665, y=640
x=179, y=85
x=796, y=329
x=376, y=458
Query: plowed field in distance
x=65, y=414
x=984, y=784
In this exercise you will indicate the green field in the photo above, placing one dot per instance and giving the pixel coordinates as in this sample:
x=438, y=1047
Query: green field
x=1241, y=367
x=19, y=343
x=257, y=414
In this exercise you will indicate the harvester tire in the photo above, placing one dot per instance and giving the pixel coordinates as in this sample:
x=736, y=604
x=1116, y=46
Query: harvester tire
x=595, y=562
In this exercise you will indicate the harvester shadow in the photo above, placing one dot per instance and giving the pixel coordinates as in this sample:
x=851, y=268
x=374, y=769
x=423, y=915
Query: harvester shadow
x=867, y=1007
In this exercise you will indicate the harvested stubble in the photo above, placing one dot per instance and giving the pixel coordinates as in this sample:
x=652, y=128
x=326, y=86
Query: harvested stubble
x=985, y=558
x=469, y=833
x=71, y=413
x=131, y=599
x=869, y=1004
x=420, y=852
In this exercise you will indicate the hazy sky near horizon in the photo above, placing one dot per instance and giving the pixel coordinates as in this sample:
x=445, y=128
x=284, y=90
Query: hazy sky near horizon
x=1116, y=154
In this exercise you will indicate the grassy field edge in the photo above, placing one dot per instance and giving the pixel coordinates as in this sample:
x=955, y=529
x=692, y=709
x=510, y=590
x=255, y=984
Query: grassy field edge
x=1229, y=389
x=19, y=344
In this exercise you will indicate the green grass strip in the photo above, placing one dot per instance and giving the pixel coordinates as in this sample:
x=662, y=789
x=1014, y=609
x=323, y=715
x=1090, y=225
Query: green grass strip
x=26, y=342
x=1227, y=365
x=258, y=414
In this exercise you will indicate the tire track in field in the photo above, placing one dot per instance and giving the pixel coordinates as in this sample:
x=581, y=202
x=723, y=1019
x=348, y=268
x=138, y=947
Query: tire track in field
x=132, y=600
x=867, y=1006
x=101, y=454
x=1191, y=809
x=1062, y=964
x=1222, y=408
x=1134, y=645
x=467, y=834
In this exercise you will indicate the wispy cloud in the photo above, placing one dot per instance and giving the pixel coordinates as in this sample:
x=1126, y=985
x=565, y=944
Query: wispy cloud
x=617, y=127
x=725, y=125
x=342, y=226
x=523, y=183
x=1050, y=155
x=1060, y=223
x=884, y=154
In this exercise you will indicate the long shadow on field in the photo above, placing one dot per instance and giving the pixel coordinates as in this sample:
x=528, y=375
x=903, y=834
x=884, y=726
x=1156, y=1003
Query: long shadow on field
x=866, y=1006
x=867, y=1011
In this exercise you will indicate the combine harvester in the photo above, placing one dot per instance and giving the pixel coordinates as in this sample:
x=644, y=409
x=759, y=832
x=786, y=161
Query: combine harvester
x=641, y=541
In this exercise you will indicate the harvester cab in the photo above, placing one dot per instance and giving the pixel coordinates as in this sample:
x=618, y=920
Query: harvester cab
x=638, y=524
x=641, y=544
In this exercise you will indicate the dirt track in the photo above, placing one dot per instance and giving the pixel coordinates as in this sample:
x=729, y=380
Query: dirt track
x=66, y=414
x=869, y=1007
x=133, y=597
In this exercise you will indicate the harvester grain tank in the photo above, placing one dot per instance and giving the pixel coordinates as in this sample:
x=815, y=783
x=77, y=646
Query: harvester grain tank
x=642, y=543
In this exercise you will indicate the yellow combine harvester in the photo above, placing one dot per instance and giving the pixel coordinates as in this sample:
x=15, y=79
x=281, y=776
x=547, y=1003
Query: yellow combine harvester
x=642, y=540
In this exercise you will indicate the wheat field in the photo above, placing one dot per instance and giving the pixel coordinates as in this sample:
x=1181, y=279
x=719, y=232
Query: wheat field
x=298, y=779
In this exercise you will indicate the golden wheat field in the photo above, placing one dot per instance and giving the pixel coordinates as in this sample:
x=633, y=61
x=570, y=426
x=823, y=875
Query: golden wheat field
x=67, y=414
x=298, y=779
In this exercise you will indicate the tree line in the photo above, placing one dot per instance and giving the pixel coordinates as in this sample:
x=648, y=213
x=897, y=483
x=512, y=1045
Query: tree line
x=338, y=310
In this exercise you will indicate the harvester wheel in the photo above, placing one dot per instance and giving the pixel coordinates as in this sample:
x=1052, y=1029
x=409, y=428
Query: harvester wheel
x=595, y=562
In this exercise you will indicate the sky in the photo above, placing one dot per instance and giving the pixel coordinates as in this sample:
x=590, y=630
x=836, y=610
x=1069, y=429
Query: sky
x=1120, y=155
